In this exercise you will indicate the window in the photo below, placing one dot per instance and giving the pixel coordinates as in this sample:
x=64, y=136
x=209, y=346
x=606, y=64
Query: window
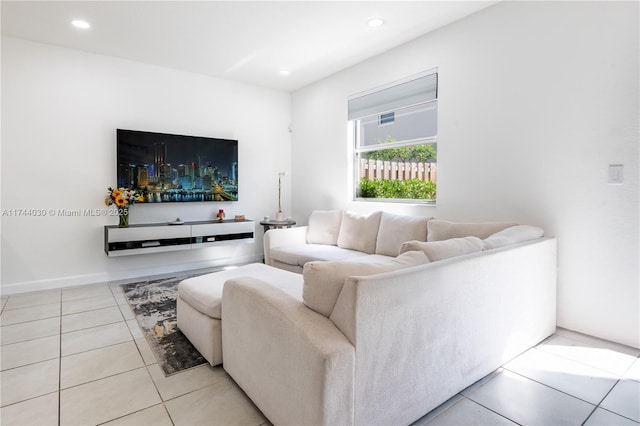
x=387, y=118
x=395, y=131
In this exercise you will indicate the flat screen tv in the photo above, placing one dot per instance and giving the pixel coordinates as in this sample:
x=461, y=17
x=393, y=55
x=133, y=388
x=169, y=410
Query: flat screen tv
x=176, y=168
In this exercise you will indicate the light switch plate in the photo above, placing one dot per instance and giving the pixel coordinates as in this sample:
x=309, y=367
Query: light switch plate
x=616, y=173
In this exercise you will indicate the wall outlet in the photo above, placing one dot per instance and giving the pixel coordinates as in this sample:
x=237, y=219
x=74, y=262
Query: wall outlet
x=616, y=173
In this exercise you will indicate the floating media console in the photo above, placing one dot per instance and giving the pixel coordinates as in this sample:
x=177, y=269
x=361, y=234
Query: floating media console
x=159, y=237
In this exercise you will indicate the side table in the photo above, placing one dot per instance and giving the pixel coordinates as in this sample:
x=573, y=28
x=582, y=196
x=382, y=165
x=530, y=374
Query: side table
x=277, y=224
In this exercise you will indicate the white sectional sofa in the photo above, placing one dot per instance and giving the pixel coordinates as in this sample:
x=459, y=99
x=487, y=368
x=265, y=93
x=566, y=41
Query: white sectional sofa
x=398, y=315
x=338, y=235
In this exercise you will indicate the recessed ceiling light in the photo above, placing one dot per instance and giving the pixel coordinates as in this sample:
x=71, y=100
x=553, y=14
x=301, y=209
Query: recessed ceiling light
x=284, y=72
x=83, y=25
x=375, y=22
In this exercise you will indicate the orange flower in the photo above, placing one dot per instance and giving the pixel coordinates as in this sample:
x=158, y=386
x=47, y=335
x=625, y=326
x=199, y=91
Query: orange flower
x=121, y=201
x=122, y=197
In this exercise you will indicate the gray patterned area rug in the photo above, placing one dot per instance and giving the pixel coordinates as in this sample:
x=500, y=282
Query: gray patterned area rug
x=154, y=304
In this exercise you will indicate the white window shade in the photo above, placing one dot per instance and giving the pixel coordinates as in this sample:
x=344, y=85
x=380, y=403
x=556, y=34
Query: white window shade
x=417, y=90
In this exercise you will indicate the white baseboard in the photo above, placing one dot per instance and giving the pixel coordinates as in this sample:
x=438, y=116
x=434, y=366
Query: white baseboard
x=53, y=283
x=121, y=277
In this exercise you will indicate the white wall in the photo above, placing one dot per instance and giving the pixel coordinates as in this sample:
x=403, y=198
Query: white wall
x=60, y=111
x=536, y=100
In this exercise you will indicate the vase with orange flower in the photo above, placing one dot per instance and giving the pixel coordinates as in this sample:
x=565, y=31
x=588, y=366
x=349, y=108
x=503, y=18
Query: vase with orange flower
x=123, y=198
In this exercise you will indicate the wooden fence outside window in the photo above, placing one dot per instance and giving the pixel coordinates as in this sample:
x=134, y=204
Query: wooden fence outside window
x=395, y=170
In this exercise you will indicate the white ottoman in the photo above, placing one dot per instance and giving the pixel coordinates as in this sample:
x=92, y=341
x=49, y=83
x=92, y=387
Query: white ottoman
x=199, y=303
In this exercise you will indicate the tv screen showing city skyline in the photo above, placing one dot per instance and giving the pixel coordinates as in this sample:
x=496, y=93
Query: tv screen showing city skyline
x=177, y=168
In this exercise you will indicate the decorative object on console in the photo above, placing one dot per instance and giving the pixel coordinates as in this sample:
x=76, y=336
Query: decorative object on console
x=122, y=198
x=177, y=222
x=280, y=216
x=277, y=224
x=123, y=217
x=220, y=215
x=239, y=218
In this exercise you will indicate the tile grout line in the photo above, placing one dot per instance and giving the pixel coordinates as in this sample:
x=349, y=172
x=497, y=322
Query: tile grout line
x=607, y=394
x=586, y=339
x=29, y=399
x=614, y=347
x=155, y=385
x=28, y=340
x=589, y=416
x=60, y=355
x=618, y=379
x=101, y=378
x=128, y=414
x=162, y=400
x=551, y=387
x=489, y=409
x=618, y=414
x=144, y=364
x=577, y=361
x=87, y=328
x=617, y=376
x=60, y=366
x=31, y=363
x=25, y=307
x=109, y=376
x=168, y=413
x=605, y=397
x=184, y=394
x=624, y=376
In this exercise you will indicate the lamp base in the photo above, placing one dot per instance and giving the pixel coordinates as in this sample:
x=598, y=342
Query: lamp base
x=280, y=216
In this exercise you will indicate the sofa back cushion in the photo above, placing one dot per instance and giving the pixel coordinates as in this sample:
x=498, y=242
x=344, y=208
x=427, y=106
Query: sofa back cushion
x=323, y=281
x=439, y=230
x=438, y=250
x=324, y=227
x=396, y=229
x=359, y=232
x=512, y=235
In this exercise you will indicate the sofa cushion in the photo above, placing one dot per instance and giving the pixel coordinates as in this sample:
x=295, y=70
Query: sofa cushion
x=324, y=226
x=371, y=258
x=512, y=235
x=299, y=254
x=323, y=281
x=438, y=250
x=204, y=292
x=439, y=230
x=396, y=229
x=359, y=232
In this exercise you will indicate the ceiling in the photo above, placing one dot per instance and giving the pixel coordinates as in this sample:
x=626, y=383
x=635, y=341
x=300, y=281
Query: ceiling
x=245, y=41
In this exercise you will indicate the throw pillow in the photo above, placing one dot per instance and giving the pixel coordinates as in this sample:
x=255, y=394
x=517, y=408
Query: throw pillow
x=324, y=226
x=396, y=229
x=323, y=281
x=439, y=230
x=438, y=250
x=359, y=232
x=512, y=235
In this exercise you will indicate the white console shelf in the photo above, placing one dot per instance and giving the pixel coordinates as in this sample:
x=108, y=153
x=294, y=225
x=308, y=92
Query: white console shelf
x=159, y=237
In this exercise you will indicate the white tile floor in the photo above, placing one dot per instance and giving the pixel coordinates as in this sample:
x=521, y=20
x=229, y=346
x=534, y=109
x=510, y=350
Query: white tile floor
x=76, y=356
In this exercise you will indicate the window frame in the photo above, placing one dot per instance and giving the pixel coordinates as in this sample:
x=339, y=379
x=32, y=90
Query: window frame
x=358, y=148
